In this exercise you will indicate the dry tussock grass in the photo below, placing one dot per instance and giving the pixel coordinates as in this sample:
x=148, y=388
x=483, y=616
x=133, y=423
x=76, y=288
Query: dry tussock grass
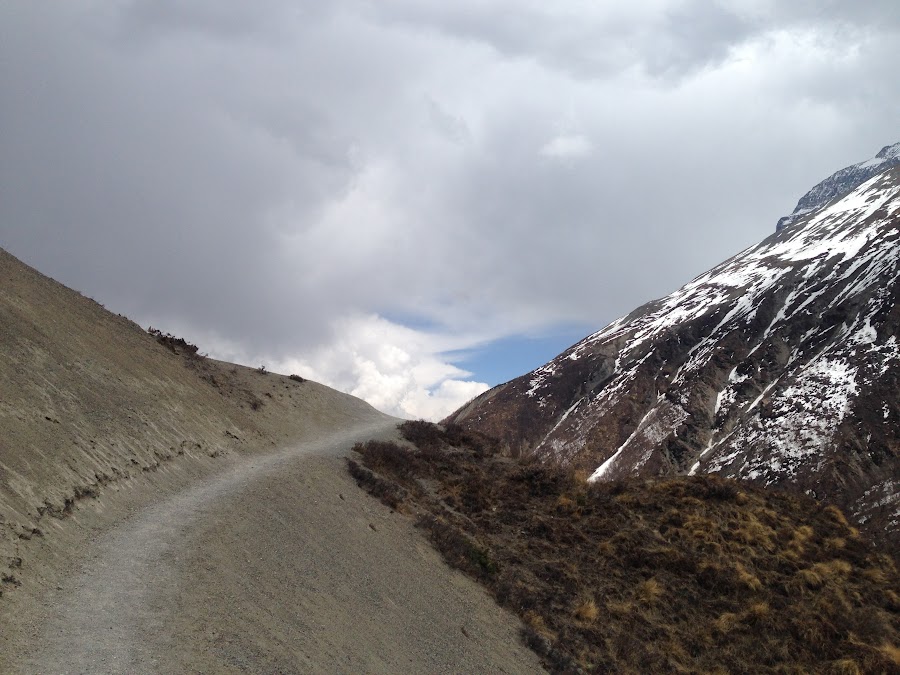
x=587, y=611
x=677, y=575
x=891, y=653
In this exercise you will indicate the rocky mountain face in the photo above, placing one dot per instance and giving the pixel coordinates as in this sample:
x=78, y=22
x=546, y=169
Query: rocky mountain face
x=841, y=183
x=780, y=366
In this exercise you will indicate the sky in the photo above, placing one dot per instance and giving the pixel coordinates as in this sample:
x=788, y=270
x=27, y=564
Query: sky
x=414, y=200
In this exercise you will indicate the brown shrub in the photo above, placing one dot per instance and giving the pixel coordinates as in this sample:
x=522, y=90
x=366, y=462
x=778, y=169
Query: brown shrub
x=837, y=516
x=650, y=590
x=387, y=491
x=176, y=345
x=891, y=653
x=692, y=574
x=746, y=579
x=727, y=622
x=387, y=457
x=424, y=435
x=587, y=610
x=844, y=667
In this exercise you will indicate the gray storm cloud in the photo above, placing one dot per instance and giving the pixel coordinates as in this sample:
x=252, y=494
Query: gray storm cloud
x=275, y=179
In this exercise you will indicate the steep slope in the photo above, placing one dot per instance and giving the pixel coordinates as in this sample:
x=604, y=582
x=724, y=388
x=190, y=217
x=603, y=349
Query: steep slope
x=778, y=366
x=88, y=400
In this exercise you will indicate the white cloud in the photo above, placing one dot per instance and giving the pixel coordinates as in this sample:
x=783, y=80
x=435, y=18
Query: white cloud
x=441, y=401
x=563, y=147
x=397, y=369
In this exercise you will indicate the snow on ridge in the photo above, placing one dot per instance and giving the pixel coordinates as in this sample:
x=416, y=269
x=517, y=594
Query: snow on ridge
x=726, y=398
x=840, y=183
x=879, y=496
x=889, y=152
x=839, y=243
x=869, y=163
x=831, y=235
x=841, y=246
x=562, y=419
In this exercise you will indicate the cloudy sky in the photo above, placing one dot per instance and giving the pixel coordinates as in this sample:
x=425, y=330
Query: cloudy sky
x=411, y=200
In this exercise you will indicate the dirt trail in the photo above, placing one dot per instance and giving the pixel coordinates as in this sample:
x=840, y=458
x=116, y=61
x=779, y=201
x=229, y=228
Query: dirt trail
x=279, y=564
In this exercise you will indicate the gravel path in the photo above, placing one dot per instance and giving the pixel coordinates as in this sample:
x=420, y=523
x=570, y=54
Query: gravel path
x=279, y=564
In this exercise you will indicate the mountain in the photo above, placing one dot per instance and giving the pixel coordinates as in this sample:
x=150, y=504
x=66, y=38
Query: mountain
x=841, y=183
x=779, y=366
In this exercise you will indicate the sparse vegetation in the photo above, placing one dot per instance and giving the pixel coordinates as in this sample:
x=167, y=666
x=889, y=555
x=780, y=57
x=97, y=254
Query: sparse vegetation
x=176, y=344
x=223, y=381
x=696, y=574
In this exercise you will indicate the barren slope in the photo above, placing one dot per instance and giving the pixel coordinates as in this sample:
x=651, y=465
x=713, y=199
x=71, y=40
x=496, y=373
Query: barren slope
x=88, y=399
x=162, y=512
x=276, y=565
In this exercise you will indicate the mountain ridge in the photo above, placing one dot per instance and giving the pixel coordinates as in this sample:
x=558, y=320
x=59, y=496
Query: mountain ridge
x=778, y=366
x=842, y=182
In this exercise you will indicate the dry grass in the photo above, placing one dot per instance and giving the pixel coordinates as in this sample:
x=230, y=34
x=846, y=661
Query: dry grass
x=892, y=653
x=750, y=581
x=676, y=575
x=587, y=611
x=650, y=591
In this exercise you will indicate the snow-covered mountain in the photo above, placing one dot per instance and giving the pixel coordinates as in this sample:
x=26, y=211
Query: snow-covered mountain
x=841, y=183
x=779, y=366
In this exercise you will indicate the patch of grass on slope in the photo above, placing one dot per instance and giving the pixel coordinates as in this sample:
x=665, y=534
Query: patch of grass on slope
x=689, y=574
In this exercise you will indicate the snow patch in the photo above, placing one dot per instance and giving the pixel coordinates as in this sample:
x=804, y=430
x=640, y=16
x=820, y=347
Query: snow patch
x=657, y=424
x=802, y=420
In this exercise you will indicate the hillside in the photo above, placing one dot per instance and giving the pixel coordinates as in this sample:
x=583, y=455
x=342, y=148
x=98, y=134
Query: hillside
x=164, y=512
x=690, y=574
x=780, y=366
x=90, y=400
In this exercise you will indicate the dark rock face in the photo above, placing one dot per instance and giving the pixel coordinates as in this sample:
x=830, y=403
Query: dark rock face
x=841, y=183
x=780, y=366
